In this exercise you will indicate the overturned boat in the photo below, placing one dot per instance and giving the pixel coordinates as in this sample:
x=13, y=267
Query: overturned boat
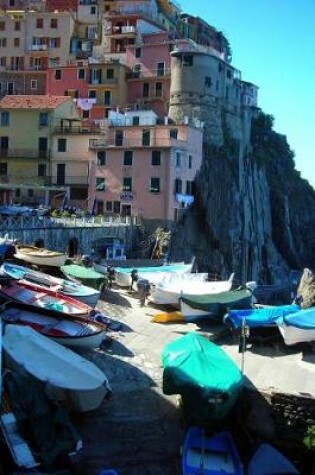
x=40, y=256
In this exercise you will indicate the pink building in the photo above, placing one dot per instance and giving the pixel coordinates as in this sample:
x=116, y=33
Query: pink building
x=144, y=169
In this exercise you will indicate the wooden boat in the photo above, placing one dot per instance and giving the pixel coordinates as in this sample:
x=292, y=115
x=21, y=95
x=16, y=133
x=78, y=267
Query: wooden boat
x=152, y=274
x=196, y=307
x=207, y=379
x=267, y=459
x=41, y=257
x=66, y=376
x=39, y=297
x=216, y=455
x=298, y=327
x=169, y=291
x=85, y=294
x=86, y=275
x=78, y=332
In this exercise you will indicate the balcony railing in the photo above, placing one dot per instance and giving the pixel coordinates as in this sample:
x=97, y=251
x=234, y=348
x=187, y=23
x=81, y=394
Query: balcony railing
x=105, y=81
x=89, y=129
x=135, y=143
x=121, y=30
x=148, y=73
x=24, y=153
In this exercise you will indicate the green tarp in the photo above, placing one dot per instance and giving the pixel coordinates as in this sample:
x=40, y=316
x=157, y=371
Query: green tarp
x=219, y=304
x=87, y=275
x=204, y=375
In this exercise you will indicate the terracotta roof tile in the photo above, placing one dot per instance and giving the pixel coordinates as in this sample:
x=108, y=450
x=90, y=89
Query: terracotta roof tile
x=32, y=102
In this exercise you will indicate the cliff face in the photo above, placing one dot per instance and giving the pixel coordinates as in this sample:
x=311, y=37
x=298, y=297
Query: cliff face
x=254, y=214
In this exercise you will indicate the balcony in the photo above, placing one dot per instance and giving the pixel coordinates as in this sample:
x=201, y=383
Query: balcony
x=121, y=30
x=103, y=81
x=88, y=129
x=148, y=73
x=70, y=180
x=24, y=153
x=98, y=144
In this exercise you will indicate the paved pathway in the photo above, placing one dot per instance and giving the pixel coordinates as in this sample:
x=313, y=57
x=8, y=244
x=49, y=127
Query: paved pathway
x=139, y=431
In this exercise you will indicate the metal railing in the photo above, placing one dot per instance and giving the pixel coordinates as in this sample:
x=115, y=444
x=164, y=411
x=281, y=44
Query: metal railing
x=23, y=153
x=135, y=143
x=70, y=180
x=89, y=129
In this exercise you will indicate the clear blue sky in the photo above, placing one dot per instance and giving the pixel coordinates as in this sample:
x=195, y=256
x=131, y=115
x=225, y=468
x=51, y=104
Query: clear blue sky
x=273, y=45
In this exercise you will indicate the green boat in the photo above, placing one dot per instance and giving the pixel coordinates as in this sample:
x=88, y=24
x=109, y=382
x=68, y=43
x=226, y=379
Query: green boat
x=208, y=381
x=86, y=275
x=197, y=307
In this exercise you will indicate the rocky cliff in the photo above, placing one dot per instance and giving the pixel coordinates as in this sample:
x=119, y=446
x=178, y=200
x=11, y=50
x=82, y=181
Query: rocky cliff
x=253, y=214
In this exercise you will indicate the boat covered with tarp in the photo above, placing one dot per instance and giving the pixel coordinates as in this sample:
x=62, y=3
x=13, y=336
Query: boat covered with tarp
x=87, y=275
x=194, y=307
x=298, y=327
x=268, y=460
x=205, y=377
x=259, y=317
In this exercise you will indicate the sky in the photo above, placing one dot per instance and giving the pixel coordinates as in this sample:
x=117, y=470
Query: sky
x=273, y=45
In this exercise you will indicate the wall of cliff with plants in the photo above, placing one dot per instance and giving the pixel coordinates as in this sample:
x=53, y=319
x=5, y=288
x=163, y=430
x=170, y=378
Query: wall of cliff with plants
x=254, y=214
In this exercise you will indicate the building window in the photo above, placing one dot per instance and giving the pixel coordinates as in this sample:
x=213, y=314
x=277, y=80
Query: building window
x=109, y=206
x=107, y=98
x=33, y=84
x=145, y=89
x=156, y=158
x=57, y=74
x=119, y=138
x=81, y=73
x=54, y=23
x=3, y=42
x=229, y=73
x=17, y=193
x=217, y=85
x=2, y=25
x=135, y=120
x=177, y=159
x=127, y=183
x=3, y=61
x=158, y=89
x=190, y=159
x=138, y=53
x=39, y=23
x=41, y=170
x=101, y=158
x=100, y=184
x=62, y=145
x=109, y=73
x=85, y=114
x=189, y=187
x=17, y=25
x=16, y=42
x=160, y=69
x=128, y=155
x=178, y=185
x=5, y=119
x=43, y=119
x=3, y=169
x=93, y=10
x=30, y=193
x=146, y=137
x=155, y=185
x=227, y=92
x=173, y=133
x=126, y=210
x=188, y=60
x=117, y=207
x=92, y=94
x=136, y=70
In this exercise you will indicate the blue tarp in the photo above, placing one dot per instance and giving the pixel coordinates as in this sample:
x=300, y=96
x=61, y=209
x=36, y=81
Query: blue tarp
x=259, y=317
x=302, y=319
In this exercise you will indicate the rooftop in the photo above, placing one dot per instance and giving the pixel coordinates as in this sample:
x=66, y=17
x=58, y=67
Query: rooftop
x=32, y=102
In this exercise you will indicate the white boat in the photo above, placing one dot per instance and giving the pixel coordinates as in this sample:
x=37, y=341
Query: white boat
x=101, y=265
x=81, y=292
x=66, y=376
x=40, y=256
x=152, y=274
x=169, y=291
x=298, y=327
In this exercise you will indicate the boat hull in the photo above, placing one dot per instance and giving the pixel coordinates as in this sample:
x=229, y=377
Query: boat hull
x=66, y=376
x=216, y=455
x=293, y=335
x=267, y=459
x=152, y=274
x=40, y=257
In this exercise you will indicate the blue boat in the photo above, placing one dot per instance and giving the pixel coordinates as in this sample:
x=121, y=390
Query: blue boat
x=298, y=327
x=259, y=317
x=204, y=455
x=269, y=461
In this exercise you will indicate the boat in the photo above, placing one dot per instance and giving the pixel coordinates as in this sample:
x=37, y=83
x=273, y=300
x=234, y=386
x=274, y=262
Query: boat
x=197, y=307
x=216, y=455
x=40, y=256
x=298, y=327
x=153, y=274
x=77, y=332
x=81, y=292
x=6, y=245
x=259, y=317
x=87, y=275
x=101, y=265
x=37, y=296
x=66, y=376
x=268, y=460
x=205, y=377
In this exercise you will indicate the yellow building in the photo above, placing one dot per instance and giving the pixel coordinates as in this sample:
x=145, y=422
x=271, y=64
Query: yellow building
x=26, y=127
